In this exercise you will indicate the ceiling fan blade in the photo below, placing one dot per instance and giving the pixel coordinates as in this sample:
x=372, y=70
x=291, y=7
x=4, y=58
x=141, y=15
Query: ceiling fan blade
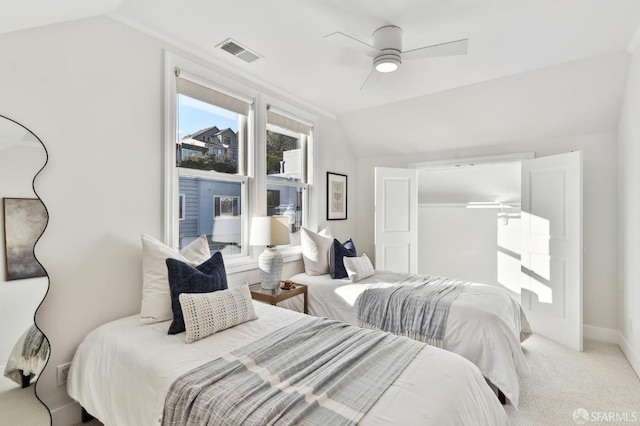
x=372, y=80
x=353, y=43
x=451, y=48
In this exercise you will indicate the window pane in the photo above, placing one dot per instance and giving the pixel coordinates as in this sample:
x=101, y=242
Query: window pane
x=284, y=156
x=208, y=136
x=228, y=206
x=289, y=203
x=212, y=207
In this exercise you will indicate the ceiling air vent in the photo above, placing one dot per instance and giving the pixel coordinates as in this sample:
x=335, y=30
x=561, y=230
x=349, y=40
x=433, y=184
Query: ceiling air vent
x=238, y=51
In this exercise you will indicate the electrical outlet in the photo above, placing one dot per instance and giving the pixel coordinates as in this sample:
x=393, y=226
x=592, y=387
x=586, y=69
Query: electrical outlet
x=63, y=372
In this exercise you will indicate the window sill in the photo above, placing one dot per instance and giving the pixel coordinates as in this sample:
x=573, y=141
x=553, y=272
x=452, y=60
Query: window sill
x=246, y=263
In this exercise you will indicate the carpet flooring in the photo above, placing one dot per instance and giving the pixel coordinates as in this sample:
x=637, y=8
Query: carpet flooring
x=597, y=386
x=20, y=407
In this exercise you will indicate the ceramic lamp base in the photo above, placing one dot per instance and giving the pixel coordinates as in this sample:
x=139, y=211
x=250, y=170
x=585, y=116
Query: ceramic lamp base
x=270, y=264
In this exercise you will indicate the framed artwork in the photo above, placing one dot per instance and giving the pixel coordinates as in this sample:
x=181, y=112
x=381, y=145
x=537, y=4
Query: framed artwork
x=336, y=196
x=24, y=222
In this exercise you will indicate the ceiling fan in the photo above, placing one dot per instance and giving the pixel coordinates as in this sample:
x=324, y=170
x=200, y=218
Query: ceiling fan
x=387, y=53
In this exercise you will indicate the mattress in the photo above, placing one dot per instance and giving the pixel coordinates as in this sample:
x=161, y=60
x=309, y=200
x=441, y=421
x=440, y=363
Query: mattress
x=485, y=323
x=122, y=371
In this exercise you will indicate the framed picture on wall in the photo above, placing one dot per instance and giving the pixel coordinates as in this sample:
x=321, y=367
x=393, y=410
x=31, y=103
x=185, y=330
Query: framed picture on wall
x=24, y=222
x=336, y=196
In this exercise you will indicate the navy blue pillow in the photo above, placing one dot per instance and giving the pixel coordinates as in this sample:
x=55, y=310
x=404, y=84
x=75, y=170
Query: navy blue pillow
x=337, y=252
x=184, y=278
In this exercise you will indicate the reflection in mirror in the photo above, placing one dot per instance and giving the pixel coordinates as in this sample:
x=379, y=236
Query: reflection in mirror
x=23, y=282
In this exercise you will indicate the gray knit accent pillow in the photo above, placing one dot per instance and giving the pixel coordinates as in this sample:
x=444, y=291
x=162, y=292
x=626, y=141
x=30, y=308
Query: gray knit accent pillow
x=358, y=267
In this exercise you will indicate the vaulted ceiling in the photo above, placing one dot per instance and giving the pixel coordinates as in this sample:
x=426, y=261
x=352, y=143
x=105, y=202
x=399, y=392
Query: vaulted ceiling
x=537, y=65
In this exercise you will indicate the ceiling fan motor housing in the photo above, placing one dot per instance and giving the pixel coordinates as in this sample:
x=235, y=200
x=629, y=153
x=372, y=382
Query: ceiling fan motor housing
x=389, y=37
x=388, y=40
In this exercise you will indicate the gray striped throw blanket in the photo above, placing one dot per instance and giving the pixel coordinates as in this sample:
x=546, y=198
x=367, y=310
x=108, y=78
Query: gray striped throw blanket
x=315, y=372
x=415, y=306
x=35, y=344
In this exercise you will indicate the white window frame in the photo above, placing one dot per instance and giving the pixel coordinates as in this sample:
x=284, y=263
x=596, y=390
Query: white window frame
x=307, y=145
x=251, y=161
x=303, y=140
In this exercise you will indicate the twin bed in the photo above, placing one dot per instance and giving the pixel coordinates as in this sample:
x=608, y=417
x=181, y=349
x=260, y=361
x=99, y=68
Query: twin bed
x=244, y=362
x=122, y=371
x=485, y=325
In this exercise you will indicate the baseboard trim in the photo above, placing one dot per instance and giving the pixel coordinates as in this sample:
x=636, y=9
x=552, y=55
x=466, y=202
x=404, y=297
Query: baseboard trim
x=632, y=355
x=601, y=334
x=68, y=414
x=609, y=335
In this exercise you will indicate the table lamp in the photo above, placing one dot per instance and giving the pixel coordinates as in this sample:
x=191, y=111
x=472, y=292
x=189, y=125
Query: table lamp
x=269, y=231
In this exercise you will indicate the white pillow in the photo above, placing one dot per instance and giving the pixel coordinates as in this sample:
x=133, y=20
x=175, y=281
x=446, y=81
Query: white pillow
x=208, y=313
x=156, y=297
x=315, y=251
x=358, y=267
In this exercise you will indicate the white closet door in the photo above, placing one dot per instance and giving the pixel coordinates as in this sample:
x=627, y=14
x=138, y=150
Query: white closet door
x=396, y=219
x=551, y=262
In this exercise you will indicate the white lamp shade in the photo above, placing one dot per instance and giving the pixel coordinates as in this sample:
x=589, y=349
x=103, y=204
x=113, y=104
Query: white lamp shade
x=269, y=231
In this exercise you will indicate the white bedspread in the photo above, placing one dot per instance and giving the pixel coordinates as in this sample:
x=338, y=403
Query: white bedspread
x=484, y=323
x=121, y=373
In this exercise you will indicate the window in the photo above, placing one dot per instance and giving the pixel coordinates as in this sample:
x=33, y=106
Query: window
x=286, y=165
x=212, y=180
x=225, y=206
x=232, y=157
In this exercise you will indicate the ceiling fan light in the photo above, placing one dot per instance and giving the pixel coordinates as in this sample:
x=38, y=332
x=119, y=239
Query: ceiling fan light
x=386, y=66
x=387, y=63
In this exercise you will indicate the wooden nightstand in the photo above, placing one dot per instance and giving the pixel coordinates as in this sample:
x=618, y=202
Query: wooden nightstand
x=278, y=295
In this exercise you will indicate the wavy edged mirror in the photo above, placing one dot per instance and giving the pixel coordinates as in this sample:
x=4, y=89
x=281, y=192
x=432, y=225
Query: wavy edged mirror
x=24, y=350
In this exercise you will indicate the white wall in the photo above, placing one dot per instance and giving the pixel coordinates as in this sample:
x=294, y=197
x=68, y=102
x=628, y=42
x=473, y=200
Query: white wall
x=600, y=209
x=365, y=175
x=334, y=155
x=470, y=244
x=509, y=252
x=18, y=298
x=629, y=201
x=93, y=91
x=458, y=242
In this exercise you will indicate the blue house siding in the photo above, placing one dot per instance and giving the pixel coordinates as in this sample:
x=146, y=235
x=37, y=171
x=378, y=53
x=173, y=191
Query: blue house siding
x=207, y=190
x=199, y=211
x=189, y=225
x=225, y=231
